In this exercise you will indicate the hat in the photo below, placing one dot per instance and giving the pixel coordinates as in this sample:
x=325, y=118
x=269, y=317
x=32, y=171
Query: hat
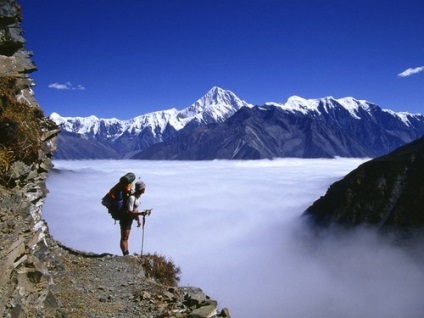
x=139, y=185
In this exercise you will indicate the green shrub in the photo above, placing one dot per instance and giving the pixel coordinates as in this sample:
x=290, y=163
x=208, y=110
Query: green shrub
x=161, y=269
x=20, y=127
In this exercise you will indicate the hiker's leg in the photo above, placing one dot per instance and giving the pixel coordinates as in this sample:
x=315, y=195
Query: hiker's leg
x=125, y=234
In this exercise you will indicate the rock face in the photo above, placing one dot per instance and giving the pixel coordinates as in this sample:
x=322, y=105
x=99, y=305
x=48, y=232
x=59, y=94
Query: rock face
x=387, y=192
x=38, y=276
x=24, y=278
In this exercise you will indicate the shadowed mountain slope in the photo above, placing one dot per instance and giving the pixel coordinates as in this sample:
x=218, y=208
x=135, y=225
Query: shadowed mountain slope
x=387, y=192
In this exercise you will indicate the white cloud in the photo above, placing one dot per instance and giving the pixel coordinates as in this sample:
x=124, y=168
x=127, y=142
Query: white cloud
x=233, y=227
x=67, y=86
x=411, y=71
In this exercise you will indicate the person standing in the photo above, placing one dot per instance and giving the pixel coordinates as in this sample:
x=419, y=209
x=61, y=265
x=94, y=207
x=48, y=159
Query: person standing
x=130, y=215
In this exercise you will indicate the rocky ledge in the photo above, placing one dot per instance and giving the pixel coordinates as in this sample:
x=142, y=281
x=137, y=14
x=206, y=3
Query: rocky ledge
x=92, y=285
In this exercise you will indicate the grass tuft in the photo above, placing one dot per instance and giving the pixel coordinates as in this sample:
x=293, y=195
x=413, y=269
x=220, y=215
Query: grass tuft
x=162, y=269
x=20, y=128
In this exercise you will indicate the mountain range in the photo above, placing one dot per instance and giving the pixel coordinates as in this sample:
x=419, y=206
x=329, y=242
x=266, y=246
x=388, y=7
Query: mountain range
x=220, y=125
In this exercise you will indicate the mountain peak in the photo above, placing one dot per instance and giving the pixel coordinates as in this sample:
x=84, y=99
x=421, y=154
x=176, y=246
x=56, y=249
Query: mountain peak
x=217, y=90
x=215, y=106
x=55, y=116
x=217, y=95
x=318, y=105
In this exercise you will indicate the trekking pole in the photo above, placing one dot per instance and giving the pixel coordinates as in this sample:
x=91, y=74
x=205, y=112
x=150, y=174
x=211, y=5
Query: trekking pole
x=144, y=213
x=142, y=235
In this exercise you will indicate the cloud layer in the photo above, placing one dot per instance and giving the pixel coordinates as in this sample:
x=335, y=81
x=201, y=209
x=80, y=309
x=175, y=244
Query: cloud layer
x=233, y=227
x=67, y=86
x=411, y=71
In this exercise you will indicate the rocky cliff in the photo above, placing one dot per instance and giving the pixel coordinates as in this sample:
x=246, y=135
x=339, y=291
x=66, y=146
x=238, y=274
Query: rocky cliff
x=386, y=193
x=38, y=276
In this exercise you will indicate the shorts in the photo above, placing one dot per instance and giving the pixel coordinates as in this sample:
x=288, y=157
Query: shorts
x=126, y=221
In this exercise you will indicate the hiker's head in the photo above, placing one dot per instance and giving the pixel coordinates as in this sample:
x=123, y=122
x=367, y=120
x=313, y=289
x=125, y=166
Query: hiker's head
x=140, y=187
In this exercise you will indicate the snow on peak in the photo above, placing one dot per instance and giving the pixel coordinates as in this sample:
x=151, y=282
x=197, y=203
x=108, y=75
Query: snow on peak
x=352, y=106
x=217, y=104
x=403, y=116
x=158, y=119
x=80, y=125
x=218, y=96
x=305, y=106
x=296, y=103
x=55, y=116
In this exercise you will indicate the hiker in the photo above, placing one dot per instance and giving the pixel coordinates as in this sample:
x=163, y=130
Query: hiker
x=130, y=215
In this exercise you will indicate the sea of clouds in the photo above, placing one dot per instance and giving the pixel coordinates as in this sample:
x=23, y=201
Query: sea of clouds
x=235, y=229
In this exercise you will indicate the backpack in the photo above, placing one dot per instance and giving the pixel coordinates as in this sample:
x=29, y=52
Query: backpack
x=115, y=200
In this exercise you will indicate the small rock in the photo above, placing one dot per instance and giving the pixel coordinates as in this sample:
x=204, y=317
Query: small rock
x=170, y=296
x=102, y=299
x=204, y=312
x=146, y=295
x=225, y=313
x=194, y=296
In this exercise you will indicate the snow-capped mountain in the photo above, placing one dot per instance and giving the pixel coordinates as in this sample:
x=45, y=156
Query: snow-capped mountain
x=327, y=105
x=216, y=106
x=127, y=136
x=300, y=127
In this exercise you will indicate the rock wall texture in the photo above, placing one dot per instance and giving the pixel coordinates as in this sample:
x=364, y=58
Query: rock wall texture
x=38, y=276
x=24, y=279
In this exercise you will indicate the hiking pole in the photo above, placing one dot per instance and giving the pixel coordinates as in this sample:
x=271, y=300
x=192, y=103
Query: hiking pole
x=144, y=213
x=142, y=235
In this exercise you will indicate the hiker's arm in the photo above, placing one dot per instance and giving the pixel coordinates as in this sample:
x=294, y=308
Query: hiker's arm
x=130, y=207
x=145, y=212
x=134, y=213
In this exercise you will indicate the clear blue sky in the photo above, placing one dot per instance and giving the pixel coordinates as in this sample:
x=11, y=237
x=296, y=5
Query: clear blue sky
x=125, y=58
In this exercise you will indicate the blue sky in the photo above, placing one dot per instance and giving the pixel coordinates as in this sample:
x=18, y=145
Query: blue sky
x=125, y=58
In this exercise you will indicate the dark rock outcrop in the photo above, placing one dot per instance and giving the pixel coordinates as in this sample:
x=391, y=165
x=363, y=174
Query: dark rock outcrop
x=386, y=192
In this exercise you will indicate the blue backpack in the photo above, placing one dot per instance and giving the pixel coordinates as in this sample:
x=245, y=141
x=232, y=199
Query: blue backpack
x=115, y=200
